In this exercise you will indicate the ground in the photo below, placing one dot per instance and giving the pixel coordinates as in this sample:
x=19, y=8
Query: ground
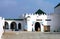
x=30, y=35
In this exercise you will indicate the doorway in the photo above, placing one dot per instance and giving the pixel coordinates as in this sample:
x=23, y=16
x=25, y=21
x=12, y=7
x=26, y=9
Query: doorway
x=46, y=28
x=19, y=26
x=13, y=26
x=37, y=26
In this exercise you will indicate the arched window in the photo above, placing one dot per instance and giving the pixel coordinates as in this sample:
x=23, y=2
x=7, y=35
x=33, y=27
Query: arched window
x=6, y=25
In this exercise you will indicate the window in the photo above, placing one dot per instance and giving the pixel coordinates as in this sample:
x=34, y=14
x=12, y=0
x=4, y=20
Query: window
x=38, y=19
x=28, y=17
x=48, y=20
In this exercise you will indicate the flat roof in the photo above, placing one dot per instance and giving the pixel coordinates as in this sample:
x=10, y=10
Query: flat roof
x=15, y=19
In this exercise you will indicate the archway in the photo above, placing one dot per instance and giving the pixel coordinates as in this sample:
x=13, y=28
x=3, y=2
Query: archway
x=37, y=26
x=13, y=26
x=6, y=25
x=19, y=26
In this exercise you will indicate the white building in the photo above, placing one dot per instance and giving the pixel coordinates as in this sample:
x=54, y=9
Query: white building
x=49, y=22
x=36, y=22
x=1, y=26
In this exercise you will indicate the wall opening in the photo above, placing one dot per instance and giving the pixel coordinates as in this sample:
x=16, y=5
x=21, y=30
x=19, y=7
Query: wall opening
x=13, y=26
x=37, y=26
x=6, y=25
x=19, y=26
x=46, y=28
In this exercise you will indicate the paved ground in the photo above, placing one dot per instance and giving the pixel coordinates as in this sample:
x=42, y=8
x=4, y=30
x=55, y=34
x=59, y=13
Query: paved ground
x=30, y=35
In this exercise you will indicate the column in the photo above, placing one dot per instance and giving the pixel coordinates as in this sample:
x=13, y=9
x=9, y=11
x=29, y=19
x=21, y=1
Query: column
x=9, y=26
x=17, y=26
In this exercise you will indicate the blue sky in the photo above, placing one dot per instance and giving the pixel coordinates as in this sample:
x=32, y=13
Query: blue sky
x=14, y=8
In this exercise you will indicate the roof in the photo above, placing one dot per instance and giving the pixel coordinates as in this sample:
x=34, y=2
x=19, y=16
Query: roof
x=15, y=19
x=39, y=11
x=57, y=5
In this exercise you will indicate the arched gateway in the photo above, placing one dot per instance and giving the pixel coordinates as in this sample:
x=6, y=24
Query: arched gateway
x=37, y=26
x=6, y=25
x=13, y=26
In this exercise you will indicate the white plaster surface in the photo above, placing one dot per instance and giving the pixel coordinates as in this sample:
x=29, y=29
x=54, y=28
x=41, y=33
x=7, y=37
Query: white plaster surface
x=1, y=26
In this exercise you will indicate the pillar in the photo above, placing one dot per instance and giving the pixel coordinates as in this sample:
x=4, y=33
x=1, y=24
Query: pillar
x=17, y=25
x=9, y=26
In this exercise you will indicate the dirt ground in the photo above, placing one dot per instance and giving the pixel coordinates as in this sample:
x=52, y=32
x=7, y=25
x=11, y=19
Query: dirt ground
x=30, y=35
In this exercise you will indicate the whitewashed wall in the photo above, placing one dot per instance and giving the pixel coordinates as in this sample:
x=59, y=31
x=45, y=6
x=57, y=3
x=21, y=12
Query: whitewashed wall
x=55, y=19
x=1, y=26
x=33, y=19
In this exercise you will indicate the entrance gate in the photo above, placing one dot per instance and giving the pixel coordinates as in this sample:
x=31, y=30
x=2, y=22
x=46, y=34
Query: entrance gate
x=37, y=26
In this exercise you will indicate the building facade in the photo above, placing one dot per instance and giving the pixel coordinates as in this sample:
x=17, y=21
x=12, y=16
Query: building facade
x=36, y=22
x=14, y=24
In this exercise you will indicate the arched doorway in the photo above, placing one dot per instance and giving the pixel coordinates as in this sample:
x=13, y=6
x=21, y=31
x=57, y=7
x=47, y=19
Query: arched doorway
x=37, y=26
x=13, y=26
x=19, y=26
x=6, y=25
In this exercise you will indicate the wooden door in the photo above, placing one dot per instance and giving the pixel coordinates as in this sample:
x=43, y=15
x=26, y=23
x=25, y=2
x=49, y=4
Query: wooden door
x=46, y=28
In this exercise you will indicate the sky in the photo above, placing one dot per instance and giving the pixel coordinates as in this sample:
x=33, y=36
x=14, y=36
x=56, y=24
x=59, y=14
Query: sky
x=15, y=8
